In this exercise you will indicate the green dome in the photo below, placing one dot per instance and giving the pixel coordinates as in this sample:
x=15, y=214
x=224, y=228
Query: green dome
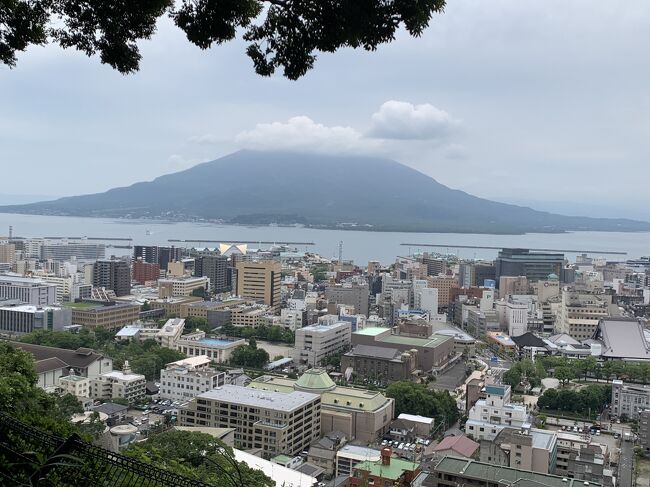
x=316, y=381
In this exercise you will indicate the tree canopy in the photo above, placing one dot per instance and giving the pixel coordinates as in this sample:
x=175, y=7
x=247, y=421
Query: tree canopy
x=589, y=399
x=249, y=356
x=281, y=34
x=198, y=456
x=413, y=398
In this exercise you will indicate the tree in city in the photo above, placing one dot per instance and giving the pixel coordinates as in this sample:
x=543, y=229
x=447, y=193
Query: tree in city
x=199, y=456
x=413, y=398
x=193, y=323
x=589, y=400
x=199, y=292
x=249, y=356
x=285, y=34
x=565, y=374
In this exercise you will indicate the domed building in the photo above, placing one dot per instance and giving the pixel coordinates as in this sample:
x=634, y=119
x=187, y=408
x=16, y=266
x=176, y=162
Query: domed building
x=359, y=413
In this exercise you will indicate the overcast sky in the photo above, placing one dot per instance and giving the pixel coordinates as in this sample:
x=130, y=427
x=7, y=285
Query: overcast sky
x=545, y=103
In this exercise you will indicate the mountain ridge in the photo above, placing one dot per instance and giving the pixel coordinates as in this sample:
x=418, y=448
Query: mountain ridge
x=321, y=191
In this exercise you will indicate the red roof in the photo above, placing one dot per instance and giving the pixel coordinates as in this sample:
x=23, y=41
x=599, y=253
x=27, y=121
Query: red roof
x=461, y=445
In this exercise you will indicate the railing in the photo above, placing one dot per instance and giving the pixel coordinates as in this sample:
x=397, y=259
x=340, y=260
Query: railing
x=29, y=456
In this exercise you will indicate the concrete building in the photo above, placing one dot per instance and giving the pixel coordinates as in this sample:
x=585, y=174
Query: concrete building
x=349, y=456
x=385, y=472
x=454, y=472
x=523, y=448
x=489, y=416
x=358, y=413
x=580, y=458
x=215, y=268
x=114, y=275
x=185, y=379
x=644, y=429
x=181, y=286
x=30, y=291
x=444, y=285
x=433, y=353
x=352, y=294
x=20, y=319
x=274, y=422
x=314, y=343
x=509, y=285
x=457, y=446
x=110, y=316
x=628, y=400
x=217, y=349
x=76, y=385
x=119, y=384
x=144, y=272
x=260, y=281
x=579, y=313
x=535, y=266
x=383, y=365
x=157, y=255
x=8, y=253
x=66, y=251
x=513, y=316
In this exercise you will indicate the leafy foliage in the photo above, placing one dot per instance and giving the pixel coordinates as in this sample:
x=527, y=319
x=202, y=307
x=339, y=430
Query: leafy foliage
x=413, y=398
x=590, y=398
x=249, y=355
x=272, y=333
x=198, y=456
x=534, y=372
x=283, y=34
x=193, y=323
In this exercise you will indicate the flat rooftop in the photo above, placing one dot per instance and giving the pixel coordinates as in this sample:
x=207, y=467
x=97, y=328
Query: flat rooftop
x=430, y=342
x=248, y=396
x=371, y=331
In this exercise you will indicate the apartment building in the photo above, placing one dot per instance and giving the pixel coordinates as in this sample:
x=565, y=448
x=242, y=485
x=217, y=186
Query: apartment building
x=119, y=384
x=111, y=316
x=31, y=291
x=489, y=416
x=523, y=448
x=444, y=285
x=628, y=400
x=579, y=458
x=114, y=275
x=579, y=313
x=215, y=268
x=314, y=343
x=144, y=272
x=76, y=385
x=260, y=281
x=274, y=422
x=181, y=286
x=187, y=378
x=352, y=294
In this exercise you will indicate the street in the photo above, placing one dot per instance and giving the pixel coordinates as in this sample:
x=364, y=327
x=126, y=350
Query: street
x=626, y=464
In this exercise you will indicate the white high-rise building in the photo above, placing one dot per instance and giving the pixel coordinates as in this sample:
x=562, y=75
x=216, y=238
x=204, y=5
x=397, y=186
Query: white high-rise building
x=513, y=316
x=494, y=413
x=187, y=378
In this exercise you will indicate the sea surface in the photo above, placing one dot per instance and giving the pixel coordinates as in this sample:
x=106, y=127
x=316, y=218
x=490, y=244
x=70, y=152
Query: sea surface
x=360, y=246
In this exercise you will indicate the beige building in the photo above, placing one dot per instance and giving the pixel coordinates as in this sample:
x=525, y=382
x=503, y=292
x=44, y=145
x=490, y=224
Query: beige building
x=76, y=385
x=274, y=422
x=260, y=281
x=175, y=306
x=314, y=343
x=119, y=384
x=509, y=285
x=579, y=313
x=109, y=317
x=181, y=286
x=358, y=413
x=524, y=449
x=444, y=285
x=176, y=269
x=7, y=253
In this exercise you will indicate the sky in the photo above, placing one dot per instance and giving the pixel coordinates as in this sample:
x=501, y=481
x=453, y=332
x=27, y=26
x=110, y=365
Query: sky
x=545, y=104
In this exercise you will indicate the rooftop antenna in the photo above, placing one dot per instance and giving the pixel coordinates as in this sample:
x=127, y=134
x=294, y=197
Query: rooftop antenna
x=11, y=231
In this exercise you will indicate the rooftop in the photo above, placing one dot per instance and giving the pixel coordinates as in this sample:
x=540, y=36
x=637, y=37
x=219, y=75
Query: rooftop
x=624, y=338
x=362, y=453
x=415, y=418
x=393, y=471
x=259, y=398
x=494, y=473
x=461, y=445
x=372, y=331
x=430, y=342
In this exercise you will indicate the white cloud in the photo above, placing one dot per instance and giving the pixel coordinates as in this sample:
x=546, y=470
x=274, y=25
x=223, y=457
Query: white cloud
x=405, y=121
x=205, y=139
x=302, y=133
x=455, y=151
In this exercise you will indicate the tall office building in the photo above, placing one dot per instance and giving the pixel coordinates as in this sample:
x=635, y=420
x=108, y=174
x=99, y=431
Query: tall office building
x=145, y=271
x=260, y=281
x=536, y=266
x=157, y=255
x=114, y=275
x=215, y=268
x=8, y=253
x=352, y=294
